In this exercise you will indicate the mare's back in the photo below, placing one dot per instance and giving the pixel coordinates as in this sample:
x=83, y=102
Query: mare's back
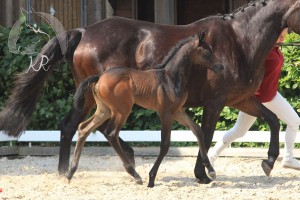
x=132, y=43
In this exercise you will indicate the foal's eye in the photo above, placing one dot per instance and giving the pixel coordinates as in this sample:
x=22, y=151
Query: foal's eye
x=205, y=52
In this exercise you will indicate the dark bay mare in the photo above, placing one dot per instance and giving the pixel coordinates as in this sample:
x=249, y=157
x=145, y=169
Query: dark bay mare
x=240, y=41
x=162, y=89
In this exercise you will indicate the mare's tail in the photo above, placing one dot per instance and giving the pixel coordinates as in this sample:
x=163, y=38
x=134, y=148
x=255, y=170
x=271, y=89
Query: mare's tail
x=81, y=90
x=28, y=85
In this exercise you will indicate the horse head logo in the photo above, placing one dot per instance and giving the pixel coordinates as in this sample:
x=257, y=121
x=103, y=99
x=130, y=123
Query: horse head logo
x=15, y=32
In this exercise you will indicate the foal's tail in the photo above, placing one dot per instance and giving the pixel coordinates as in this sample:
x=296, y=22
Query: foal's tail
x=81, y=90
x=28, y=85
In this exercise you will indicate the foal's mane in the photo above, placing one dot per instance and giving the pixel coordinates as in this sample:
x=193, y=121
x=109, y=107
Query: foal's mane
x=173, y=51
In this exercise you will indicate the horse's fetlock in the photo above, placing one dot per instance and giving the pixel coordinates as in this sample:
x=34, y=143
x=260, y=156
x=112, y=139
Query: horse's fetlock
x=128, y=166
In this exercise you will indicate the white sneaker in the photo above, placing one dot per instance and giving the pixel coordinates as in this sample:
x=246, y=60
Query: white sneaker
x=290, y=163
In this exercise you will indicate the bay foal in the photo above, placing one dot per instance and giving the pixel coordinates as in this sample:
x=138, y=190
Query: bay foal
x=162, y=90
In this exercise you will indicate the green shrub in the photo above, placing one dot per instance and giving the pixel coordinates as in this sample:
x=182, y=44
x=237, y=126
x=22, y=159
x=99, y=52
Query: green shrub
x=58, y=92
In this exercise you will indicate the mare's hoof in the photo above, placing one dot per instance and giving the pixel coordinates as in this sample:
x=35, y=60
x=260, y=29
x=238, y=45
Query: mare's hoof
x=212, y=174
x=266, y=167
x=62, y=172
x=139, y=181
x=204, y=180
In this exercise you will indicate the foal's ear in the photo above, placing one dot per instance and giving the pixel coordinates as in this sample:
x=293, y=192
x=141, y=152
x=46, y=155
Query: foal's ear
x=201, y=36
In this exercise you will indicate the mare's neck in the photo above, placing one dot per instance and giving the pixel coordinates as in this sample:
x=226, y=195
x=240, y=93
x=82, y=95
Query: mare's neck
x=257, y=29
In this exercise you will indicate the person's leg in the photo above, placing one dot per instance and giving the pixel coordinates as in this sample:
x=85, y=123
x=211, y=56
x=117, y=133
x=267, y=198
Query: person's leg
x=287, y=114
x=242, y=125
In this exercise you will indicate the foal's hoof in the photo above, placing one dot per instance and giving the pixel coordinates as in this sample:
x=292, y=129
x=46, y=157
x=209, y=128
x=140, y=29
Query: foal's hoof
x=204, y=180
x=267, y=167
x=212, y=174
x=69, y=176
x=68, y=180
x=139, y=181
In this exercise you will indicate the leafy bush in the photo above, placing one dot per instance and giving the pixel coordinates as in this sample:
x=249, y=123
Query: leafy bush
x=58, y=92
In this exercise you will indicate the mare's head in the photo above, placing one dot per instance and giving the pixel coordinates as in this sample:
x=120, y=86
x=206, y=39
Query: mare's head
x=203, y=54
x=292, y=17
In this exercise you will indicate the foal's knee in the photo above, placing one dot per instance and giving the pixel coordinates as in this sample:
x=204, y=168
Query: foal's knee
x=111, y=137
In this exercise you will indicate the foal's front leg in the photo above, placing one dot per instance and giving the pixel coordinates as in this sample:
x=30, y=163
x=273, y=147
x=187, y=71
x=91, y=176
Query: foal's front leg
x=211, y=114
x=166, y=126
x=185, y=120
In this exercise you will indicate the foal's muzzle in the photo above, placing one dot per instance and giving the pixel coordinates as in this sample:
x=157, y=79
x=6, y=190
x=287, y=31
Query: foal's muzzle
x=218, y=68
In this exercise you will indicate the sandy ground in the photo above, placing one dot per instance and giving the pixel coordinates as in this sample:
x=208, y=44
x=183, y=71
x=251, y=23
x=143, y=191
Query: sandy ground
x=103, y=177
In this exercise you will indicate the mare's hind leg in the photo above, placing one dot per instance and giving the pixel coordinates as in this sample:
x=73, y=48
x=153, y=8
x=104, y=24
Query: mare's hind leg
x=112, y=131
x=68, y=129
x=253, y=107
x=166, y=123
x=85, y=128
x=185, y=120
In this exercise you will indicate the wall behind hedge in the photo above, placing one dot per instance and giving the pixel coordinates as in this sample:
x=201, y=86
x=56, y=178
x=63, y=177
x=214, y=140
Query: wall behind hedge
x=58, y=93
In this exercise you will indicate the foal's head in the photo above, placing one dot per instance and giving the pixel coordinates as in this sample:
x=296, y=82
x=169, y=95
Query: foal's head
x=203, y=54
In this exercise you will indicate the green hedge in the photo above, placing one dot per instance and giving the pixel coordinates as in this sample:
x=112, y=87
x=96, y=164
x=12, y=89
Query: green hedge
x=57, y=96
x=58, y=93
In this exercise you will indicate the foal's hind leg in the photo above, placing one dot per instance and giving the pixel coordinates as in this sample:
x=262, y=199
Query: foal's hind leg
x=126, y=148
x=185, y=120
x=112, y=131
x=69, y=126
x=85, y=128
x=166, y=123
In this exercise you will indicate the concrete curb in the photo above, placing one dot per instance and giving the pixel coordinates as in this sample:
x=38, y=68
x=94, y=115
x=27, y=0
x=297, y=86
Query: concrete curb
x=139, y=151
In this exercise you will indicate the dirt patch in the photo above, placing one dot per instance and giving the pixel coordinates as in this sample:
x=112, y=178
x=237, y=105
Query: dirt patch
x=103, y=177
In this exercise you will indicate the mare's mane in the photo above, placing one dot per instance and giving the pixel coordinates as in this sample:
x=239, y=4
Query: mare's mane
x=243, y=8
x=240, y=9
